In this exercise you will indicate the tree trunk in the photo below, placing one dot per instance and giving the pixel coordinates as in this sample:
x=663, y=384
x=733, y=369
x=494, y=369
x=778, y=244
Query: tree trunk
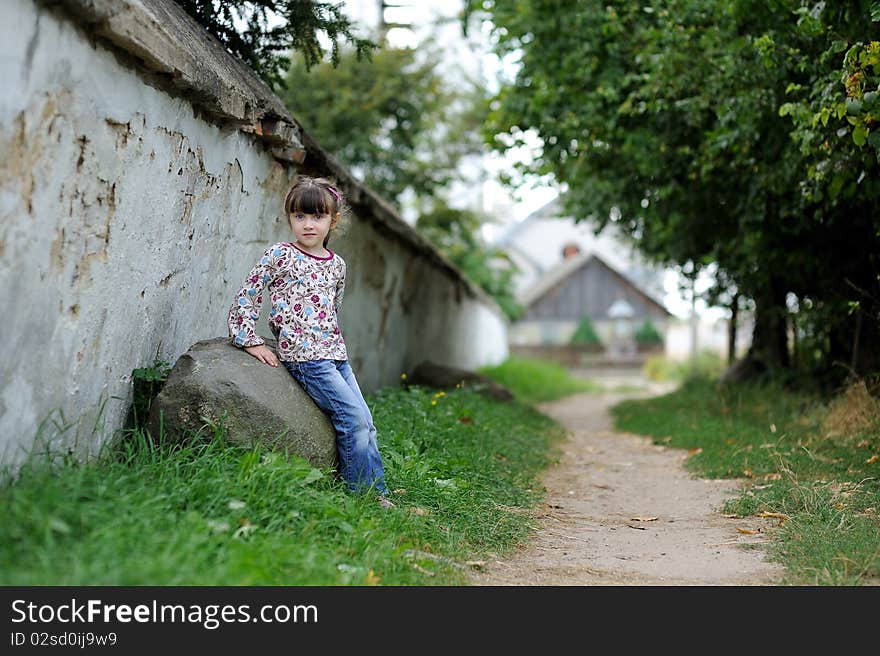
x=769, y=349
x=731, y=330
x=855, y=349
x=855, y=345
x=867, y=362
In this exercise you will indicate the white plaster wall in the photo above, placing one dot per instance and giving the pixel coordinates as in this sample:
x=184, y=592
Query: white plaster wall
x=119, y=210
x=711, y=336
x=398, y=311
x=126, y=224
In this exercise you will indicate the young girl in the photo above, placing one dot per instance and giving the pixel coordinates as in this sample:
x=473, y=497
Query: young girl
x=306, y=283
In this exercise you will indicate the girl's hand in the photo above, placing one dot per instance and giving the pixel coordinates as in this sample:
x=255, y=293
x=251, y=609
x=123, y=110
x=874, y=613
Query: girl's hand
x=263, y=354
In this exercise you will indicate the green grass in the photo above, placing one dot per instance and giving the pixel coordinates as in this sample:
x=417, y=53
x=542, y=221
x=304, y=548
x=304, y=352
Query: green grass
x=772, y=438
x=535, y=381
x=210, y=513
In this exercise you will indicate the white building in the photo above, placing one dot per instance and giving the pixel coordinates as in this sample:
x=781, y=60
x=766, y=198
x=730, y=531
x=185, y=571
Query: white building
x=537, y=246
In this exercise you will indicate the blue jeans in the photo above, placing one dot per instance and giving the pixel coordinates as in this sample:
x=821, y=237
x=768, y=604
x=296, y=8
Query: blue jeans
x=333, y=387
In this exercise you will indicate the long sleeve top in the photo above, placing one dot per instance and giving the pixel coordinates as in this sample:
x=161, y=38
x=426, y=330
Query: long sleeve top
x=305, y=291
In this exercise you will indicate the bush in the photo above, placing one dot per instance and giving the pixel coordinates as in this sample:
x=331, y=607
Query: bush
x=585, y=332
x=708, y=364
x=659, y=368
x=648, y=334
x=146, y=382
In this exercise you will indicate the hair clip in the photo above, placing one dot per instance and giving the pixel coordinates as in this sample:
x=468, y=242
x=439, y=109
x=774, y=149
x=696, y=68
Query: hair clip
x=335, y=193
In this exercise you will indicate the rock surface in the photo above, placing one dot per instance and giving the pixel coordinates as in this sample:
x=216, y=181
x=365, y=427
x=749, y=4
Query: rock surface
x=255, y=402
x=435, y=375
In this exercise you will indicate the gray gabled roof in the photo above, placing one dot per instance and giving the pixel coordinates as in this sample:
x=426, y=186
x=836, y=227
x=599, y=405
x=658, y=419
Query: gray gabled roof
x=568, y=268
x=553, y=277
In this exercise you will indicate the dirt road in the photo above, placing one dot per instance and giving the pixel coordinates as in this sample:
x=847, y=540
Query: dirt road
x=595, y=527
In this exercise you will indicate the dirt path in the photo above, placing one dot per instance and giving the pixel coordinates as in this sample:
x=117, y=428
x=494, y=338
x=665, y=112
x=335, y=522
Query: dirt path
x=587, y=534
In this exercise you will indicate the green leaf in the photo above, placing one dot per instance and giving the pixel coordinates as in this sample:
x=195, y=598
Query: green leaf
x=59, y=525
x=312, y=476
x=860, y=135
x=835, y=186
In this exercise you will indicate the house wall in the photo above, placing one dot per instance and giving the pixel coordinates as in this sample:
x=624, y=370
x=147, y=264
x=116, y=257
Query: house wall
x=549, y=331
x=142, y=171
x=711, y=335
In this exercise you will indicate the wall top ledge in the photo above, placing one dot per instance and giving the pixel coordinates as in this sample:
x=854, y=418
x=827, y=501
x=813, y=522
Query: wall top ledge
x=186, y=61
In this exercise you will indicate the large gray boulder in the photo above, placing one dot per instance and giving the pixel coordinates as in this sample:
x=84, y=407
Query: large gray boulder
x=431, y=374
x=216, y=381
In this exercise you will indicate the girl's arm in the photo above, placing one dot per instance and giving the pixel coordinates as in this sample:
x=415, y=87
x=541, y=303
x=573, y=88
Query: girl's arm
x=245, y=309
x=340, y=290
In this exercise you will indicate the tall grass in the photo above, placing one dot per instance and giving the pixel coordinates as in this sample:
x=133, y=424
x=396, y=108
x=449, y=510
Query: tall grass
x=212, y=513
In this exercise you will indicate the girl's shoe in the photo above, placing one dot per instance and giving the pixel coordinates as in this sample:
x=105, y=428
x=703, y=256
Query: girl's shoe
x=385, y=502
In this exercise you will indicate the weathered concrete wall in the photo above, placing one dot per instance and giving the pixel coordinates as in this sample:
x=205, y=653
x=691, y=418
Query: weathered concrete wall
x=141, y=174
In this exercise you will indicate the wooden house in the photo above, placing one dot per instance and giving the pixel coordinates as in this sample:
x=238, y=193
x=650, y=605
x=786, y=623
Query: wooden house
x=585, y=285
x=567, y=271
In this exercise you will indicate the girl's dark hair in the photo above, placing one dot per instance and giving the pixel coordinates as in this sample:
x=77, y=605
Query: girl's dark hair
x=313, y=196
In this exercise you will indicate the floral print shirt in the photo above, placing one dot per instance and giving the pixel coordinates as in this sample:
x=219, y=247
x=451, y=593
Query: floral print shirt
x=306, y=292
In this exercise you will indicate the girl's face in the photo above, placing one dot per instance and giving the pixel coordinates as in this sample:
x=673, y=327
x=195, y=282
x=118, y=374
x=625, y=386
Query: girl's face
x=311, y=229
